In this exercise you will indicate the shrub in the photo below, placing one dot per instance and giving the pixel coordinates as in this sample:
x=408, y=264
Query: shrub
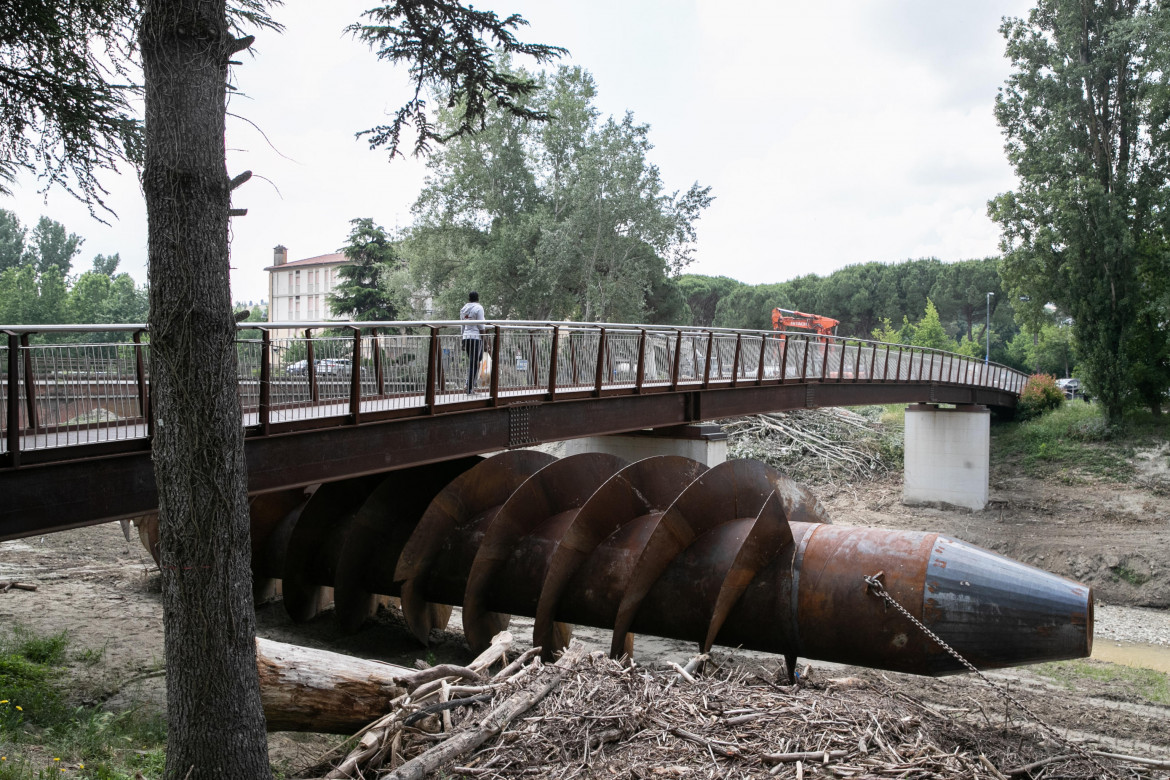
x=1040, y=395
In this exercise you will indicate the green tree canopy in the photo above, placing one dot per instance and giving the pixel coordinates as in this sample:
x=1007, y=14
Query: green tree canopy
x=703, y=293
x=107, y=264
x=362, y=293
x=929, y=332
x=1086, y=117
x=12, y=235
x=65, y=89
x=51, y=245
x=565, y=220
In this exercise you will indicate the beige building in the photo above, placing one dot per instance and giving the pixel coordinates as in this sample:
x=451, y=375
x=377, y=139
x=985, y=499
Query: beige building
x=299, y=291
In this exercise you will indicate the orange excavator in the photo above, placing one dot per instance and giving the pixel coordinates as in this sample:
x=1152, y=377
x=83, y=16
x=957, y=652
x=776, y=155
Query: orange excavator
x=787, y=319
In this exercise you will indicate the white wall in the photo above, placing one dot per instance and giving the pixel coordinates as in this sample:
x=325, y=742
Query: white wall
x=947, y=456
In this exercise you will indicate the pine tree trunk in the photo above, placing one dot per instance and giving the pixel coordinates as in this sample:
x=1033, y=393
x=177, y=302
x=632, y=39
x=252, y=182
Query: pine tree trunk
x=215, y=721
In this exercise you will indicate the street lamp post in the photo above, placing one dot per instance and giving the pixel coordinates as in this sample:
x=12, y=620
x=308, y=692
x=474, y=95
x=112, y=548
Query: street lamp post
x=987, y=330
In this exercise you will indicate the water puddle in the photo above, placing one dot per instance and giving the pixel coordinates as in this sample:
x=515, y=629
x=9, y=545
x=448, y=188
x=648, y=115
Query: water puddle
x=1156, y=657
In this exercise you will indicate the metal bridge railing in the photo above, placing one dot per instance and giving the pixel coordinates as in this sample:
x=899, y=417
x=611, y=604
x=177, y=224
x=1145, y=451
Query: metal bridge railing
x=66, y=394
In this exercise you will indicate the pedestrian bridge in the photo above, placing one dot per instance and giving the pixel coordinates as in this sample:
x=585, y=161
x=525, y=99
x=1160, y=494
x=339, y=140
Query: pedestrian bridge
x=326, y=401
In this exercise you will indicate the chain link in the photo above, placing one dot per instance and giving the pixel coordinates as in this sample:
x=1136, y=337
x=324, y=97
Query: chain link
x=875, y=586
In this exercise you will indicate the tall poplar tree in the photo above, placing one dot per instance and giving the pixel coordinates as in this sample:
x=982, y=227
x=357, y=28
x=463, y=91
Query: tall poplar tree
x=1086, y=117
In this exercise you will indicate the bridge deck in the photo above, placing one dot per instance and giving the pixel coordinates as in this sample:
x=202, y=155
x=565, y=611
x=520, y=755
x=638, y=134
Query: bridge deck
x=75, y=435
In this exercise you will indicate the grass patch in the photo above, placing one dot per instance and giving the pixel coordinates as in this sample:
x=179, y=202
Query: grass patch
x=1148, y=684
x=1074, y=440
x=1122, y=572
x=42, y=733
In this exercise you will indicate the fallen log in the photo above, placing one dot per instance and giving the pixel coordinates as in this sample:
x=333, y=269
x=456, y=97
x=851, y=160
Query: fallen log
x=304, y=689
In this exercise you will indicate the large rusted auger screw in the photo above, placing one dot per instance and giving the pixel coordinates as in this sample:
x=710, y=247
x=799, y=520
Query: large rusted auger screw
x=737, y=555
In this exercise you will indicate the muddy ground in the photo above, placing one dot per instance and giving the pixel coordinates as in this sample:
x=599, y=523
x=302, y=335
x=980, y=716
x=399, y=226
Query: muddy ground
x=103, y=590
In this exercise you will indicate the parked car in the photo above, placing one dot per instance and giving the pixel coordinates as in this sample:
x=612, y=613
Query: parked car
x=299, y=368
x=1071, y=387
x=336, y=367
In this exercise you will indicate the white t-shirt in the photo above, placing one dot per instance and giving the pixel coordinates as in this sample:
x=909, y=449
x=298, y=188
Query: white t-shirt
x=471, y=311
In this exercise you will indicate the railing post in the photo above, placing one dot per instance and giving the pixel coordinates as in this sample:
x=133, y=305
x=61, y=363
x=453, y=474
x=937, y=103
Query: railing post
x=804, y=363
x=707, y=361
x=553, y=361
x=873, y=363
x=30, y=385
x=13, y=410
x=898, y=368
x=573, y=362
x=763, y=355
x=640, y=372
x=824, y=342
x=930, y=369
x=494, y=383
x=735, y=360
x=355, y=377
x=676, y=368
x=857, y=364
x=143, y=393
x=377, y=342
x=264, y=408
x=599, y=373
x=886, y=365
x=314, y=396
x=432, y=369
x=784, y=359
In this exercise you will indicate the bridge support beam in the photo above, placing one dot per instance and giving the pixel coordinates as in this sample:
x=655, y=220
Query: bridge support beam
x=947, y=455
x=705, y=443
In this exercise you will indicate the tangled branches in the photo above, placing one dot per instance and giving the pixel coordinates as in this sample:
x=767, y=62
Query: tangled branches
x=591, y=716
x=819, y=446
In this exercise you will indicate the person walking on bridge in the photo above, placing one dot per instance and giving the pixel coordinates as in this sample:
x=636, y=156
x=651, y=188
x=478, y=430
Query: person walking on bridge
x=472, y=337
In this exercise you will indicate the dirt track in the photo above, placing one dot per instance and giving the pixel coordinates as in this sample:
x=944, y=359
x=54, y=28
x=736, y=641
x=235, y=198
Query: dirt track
x=104, y=591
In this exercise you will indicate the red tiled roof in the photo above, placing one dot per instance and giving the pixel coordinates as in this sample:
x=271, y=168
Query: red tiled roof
x=337, y=258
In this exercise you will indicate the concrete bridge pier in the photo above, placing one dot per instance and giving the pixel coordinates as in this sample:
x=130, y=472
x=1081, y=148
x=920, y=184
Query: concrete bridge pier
x=947, y=455
x=705, y=443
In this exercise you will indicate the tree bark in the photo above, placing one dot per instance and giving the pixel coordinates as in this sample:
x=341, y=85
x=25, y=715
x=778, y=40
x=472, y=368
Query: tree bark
x=214, y=716
x=303, y=689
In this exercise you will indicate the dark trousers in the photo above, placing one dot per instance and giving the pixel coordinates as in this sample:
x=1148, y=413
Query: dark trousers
x=474, y=350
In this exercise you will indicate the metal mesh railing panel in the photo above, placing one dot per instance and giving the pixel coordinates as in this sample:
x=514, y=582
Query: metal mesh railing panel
x=577, y=358
x=658, y=363
x=83, y=393
x=722, y=356
x=621, y=357
x=692, y=357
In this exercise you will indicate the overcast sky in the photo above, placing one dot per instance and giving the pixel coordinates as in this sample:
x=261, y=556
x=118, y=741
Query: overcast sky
x=831, y=133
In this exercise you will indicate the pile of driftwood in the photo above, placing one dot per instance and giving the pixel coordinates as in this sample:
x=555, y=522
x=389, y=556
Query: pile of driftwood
x=589, y=716
x=818, y=446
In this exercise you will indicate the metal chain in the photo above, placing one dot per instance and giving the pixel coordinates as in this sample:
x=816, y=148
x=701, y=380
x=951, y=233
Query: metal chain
x=876, y=587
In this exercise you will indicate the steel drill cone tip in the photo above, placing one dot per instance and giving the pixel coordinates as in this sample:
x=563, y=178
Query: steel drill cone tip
x=1003, y=612
x=992, y=610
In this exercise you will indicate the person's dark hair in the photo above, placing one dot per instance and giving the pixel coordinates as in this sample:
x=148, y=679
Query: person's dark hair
x=473, y=296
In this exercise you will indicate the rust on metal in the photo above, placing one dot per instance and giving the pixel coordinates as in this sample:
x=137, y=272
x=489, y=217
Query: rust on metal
x=737, y=555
